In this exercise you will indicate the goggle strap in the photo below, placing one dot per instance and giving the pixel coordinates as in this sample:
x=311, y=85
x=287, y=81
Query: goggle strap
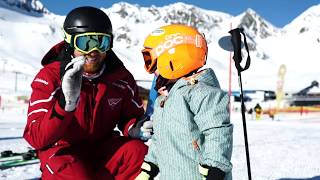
x=67, y=37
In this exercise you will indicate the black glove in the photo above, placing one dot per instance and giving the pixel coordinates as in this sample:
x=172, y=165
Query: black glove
x=148, y=171
x=211, y=173
x=143, y=129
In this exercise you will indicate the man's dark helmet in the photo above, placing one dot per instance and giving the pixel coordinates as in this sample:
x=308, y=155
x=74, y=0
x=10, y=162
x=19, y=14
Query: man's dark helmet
x=87, y=19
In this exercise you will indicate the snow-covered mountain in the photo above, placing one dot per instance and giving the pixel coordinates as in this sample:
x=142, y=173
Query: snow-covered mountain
x=30, y=6
x=307, y=22
x=25, y=37
x=260, y=28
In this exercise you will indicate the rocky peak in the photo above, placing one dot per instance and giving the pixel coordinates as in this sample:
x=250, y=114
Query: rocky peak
x=257, y=26
x=35, y=7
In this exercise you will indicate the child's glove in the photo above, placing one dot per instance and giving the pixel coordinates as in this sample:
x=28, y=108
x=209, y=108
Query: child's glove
x=148, y=171
x=71, y=83
x=143, y=129
x=211, y=173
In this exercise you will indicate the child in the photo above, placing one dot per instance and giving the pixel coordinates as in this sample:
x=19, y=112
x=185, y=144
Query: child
x=192, y=131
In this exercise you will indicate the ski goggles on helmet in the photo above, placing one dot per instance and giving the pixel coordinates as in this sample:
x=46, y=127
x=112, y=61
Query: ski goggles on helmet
x=150, y=64
x=90, y=41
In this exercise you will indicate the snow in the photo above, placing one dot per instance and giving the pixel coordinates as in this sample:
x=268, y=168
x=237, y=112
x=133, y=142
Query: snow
x=283, y=149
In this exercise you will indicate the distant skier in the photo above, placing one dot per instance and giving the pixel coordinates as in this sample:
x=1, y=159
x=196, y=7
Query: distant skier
x=272, y=113
x=258, y=111
x=193, y=133
x=78, y=98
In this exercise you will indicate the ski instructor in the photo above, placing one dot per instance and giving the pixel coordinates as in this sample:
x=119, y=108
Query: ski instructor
x=82, y=93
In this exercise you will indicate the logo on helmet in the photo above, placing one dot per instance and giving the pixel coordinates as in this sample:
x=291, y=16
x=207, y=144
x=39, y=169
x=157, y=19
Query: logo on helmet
x=170, y=41
x=157, y=32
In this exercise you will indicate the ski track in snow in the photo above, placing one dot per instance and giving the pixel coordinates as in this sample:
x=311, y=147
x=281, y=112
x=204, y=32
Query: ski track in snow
x=284, y=149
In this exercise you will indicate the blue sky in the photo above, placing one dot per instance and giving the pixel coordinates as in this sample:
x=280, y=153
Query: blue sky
x=278, y=12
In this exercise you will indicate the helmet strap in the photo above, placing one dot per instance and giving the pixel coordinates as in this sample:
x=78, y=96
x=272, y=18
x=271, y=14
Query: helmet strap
x=163, y=82
x=191, y=73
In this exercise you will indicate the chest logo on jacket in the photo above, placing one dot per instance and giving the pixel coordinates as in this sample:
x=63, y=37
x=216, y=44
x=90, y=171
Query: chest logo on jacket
x=113, y=102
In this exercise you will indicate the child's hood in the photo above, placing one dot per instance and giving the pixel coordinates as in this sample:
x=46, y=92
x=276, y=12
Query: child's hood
x=206, y=76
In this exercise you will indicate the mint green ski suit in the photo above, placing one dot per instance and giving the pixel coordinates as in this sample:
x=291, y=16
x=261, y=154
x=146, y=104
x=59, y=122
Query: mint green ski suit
x=193, y=127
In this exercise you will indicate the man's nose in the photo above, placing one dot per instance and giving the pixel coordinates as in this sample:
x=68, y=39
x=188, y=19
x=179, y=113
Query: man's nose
x=93, y=53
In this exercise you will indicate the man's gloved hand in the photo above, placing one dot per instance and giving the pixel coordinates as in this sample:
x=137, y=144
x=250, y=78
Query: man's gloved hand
x=211, y=173
x=71, y=83
x=148, y=171
x=142, y=129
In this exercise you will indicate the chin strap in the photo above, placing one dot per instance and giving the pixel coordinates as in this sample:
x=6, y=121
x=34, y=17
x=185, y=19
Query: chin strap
x=95, y=75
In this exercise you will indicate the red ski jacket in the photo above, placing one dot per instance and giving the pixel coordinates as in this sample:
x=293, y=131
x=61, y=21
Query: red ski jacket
x=105, y=102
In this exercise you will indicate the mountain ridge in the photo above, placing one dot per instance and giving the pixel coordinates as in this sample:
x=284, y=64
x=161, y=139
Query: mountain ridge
x=33, y=7
x=270, y=46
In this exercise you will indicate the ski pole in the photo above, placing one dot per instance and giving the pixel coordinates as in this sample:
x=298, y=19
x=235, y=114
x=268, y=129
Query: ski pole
x=237, y=57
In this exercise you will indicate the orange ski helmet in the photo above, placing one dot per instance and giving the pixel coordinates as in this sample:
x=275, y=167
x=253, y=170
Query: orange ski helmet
x=175, y=50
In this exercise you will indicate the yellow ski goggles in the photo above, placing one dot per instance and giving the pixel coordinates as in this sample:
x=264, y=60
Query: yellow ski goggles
x=90, y=41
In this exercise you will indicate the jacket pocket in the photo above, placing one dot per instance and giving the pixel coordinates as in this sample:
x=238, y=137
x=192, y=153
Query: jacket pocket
x=56, y=164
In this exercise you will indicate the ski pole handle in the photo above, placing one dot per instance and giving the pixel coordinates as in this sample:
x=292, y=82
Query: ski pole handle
x=236, y=42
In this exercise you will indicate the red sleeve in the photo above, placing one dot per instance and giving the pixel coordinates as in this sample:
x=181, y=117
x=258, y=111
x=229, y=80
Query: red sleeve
x=133, y=106
x=46, y=120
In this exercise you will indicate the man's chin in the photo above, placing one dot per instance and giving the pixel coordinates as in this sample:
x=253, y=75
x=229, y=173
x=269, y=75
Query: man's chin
x=91, y=70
